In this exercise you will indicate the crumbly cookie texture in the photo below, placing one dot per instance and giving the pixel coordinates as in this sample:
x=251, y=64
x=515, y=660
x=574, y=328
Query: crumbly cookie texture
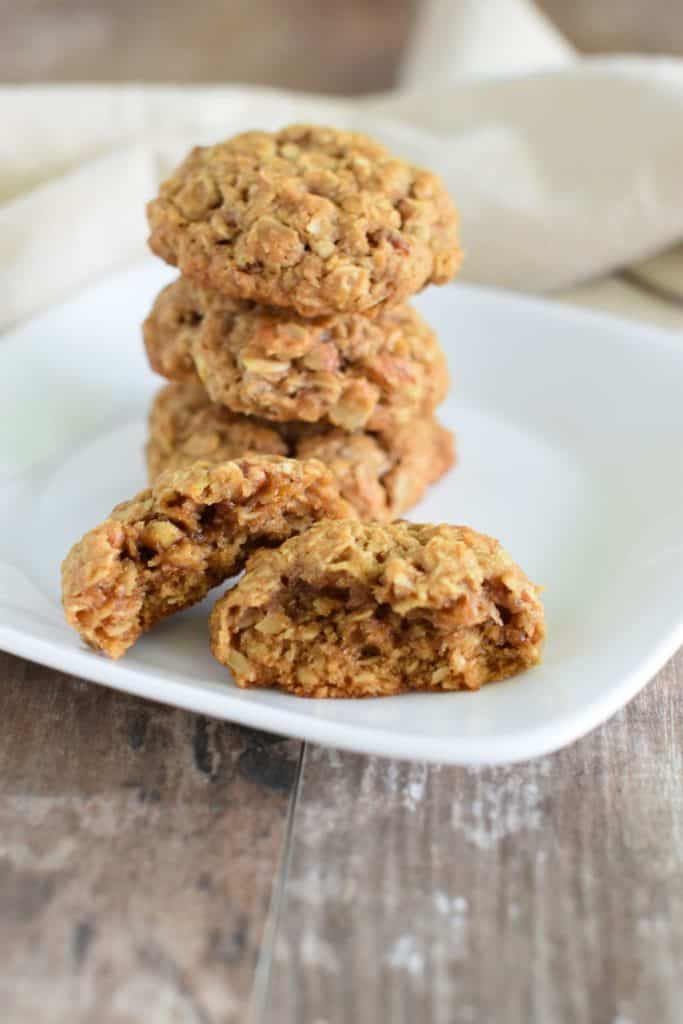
x=185, y=426
x=381, y=475
x=163, y=550
x=309, y=218
x=352, y=609
x=350, y=370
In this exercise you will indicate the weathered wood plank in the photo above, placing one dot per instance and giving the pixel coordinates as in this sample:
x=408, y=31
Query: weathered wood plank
x=619, y=26
x=549, y=892
x=138, y=845
x=318, y=45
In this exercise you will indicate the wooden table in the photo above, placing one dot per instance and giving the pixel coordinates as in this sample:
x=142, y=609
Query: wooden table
x=156, y=866
x=160, y=867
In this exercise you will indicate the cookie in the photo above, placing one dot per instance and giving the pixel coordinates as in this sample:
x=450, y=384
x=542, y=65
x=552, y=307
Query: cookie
x=381, y=475
x=351, y=609
x=349, y=370
x=184, y=427
x=163, y=550
x=308, y=218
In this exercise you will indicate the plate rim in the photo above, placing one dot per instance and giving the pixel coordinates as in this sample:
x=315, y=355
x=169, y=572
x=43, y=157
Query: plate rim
x=504, y=748
x=520, y=746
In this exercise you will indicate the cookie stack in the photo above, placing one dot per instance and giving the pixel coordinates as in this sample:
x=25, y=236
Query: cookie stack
x=288, y=332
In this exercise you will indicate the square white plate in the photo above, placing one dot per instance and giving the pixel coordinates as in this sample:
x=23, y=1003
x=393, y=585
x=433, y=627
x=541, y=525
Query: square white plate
x=570, y=428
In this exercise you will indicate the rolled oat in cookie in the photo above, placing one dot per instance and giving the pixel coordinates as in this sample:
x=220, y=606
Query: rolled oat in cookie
x=184, y=426
x=381, y=475
x=350, y=609
x=348, y=370
x=163, y=550
x=309, y=218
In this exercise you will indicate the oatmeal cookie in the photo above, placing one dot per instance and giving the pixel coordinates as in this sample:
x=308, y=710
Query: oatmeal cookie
x=351, y=609
x=381, y=475
x=184, y=426
x=309, y=218
x=163, y=550
x=349, y=370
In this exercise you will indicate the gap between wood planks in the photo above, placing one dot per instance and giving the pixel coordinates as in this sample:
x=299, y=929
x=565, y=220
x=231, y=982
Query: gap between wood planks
x=262, y=974
x=547, y=892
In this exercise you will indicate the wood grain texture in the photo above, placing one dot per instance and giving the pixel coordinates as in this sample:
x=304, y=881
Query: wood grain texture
x=544, y=893
x=319, y=45
x=621, y=26
x=138, y=845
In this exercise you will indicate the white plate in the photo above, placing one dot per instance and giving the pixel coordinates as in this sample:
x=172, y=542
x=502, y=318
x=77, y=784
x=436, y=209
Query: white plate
x=570, y=428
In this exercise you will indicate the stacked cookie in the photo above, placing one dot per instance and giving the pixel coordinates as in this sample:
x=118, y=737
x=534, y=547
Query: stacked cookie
x=288, y=332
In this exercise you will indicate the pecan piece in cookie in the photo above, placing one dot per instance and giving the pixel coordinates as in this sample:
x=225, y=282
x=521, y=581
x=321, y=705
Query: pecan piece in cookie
x=350, y=609
x=381, y=475
x=163, y=550
x=348, y=370
x=309, y=218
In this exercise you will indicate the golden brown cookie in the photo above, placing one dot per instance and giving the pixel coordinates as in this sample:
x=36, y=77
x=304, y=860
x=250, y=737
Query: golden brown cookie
x=381, y=475
x=309, y=218
x=185, y=426
x=350, y=609
x=349, y=370
x=163, y=550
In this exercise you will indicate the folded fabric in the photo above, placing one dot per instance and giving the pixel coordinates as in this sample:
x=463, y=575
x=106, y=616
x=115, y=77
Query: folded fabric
x=561, y=175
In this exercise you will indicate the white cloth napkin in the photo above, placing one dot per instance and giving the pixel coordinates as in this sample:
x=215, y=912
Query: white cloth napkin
x=481, y=37
x=563, y=173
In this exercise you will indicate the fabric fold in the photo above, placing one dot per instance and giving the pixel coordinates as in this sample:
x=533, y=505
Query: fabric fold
x=560, y=175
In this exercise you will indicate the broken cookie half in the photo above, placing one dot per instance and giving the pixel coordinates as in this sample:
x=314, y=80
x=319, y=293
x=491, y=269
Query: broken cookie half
x=163, y=550
x=350, y=609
